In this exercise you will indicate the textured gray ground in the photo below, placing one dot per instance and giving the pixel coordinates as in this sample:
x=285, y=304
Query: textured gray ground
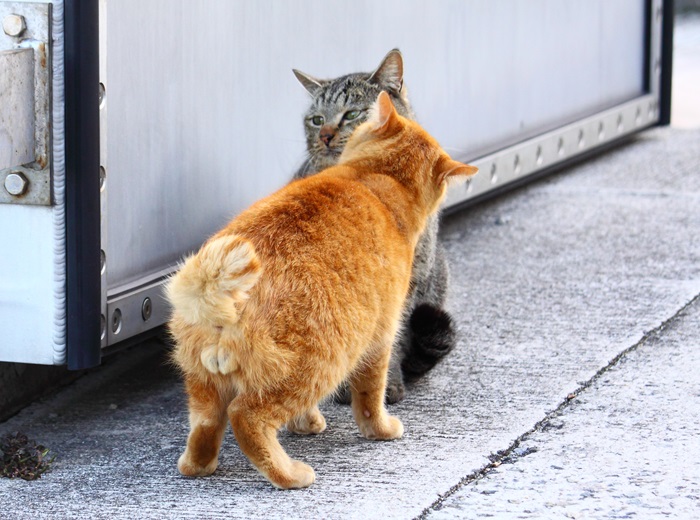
x=550, y=284
x=627, y=447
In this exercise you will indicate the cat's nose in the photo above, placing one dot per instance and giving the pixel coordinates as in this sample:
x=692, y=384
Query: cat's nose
x=326, y=135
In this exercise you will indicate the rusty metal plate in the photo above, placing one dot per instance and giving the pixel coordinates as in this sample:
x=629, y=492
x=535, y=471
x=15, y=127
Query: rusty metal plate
x=27, y=25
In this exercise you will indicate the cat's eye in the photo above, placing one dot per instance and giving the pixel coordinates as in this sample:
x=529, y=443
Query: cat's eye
x=352, y=114
x=317, y=120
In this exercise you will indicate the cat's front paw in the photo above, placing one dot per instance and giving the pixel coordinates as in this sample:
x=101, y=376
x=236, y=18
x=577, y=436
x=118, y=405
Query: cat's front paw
x=383, y=429
x=296, y=475
x=218, y=360
x=395, y=392
x=189, y=468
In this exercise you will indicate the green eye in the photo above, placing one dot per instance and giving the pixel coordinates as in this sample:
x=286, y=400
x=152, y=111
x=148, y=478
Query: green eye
x=317, y=120
x=353, y=114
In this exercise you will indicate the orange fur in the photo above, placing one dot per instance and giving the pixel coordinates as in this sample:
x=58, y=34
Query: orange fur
x=302, y=291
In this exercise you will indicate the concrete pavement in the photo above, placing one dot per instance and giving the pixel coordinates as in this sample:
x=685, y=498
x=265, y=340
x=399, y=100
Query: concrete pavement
x=551, y=283
x=624, y=447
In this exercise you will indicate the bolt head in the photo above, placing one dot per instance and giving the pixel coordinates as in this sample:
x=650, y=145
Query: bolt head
x=13, y=24
x=16, y=184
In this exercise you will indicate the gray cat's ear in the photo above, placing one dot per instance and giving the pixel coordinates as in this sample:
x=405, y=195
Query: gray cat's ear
x=310, y=83
x=389, y=74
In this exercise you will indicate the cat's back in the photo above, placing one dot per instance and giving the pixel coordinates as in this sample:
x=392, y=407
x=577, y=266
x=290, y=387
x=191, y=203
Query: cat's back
x=323, y=214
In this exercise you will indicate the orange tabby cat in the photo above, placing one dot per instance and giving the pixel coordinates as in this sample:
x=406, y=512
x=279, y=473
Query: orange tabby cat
x=302, y=291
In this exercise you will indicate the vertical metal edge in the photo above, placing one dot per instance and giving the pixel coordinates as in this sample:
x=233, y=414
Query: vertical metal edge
x=103, y=107
x=58, y=165
x=666, y=63
x=82, y=128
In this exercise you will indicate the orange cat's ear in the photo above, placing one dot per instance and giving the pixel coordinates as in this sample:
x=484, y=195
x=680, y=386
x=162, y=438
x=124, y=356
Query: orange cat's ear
x=383, y=112
x=447, y=168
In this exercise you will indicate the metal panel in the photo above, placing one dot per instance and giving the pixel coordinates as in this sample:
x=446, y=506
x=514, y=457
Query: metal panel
x=27, y=300
x=209, y=119
x=32, y=237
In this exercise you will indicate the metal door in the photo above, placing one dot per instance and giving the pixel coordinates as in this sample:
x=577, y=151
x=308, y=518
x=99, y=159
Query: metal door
x=199, y=115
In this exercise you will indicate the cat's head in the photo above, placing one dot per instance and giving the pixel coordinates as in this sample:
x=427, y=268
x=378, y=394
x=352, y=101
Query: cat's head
x=392, y=144
x=340, y=105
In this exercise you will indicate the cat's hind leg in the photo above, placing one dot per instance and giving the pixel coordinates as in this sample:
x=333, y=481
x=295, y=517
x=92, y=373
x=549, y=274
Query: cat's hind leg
x=310, y=422
x=255, y=420
x=207, y=426
x=368, y=385
x=395, y=388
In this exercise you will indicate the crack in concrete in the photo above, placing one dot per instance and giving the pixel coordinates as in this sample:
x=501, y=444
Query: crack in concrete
x=511, y=453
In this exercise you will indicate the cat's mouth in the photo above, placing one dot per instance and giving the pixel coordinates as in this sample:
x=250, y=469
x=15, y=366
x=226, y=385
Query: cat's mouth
x=330, y=151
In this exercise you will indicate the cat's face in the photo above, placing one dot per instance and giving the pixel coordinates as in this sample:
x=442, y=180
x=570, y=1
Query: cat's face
x=340, y=105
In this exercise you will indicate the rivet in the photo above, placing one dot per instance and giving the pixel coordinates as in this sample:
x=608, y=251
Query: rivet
x=560, y=147
x=16, y=184
x=516, y=165
x=116, y=321
x=103, y=177
x=468, y=185
x=101, y=95
x=146, y=308
x=103, y=327
x=494, y=175
x=13, y=25
x=539, y=159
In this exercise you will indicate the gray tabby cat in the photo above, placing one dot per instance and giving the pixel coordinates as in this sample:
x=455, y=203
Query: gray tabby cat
x=338, y=106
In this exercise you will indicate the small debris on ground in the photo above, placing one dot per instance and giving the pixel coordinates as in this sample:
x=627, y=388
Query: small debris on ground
x=23, y=458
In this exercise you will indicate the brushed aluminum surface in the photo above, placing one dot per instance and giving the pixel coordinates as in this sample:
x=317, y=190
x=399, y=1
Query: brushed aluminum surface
x=209, y=119
x=206, y=121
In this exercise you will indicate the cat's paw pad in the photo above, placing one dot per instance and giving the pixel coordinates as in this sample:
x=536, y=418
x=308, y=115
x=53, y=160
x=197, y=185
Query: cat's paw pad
x=190, y=469
x=218, y=360
x=311, y=423
x=387, y=429
x=298, y=475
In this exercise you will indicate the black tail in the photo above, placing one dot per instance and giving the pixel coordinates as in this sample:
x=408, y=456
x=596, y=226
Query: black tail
x=432, y=338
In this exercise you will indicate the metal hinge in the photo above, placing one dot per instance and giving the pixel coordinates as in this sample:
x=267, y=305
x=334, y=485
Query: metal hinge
x=25, y=103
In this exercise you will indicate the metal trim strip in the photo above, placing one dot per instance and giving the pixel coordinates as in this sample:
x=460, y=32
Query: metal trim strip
x=82, y=183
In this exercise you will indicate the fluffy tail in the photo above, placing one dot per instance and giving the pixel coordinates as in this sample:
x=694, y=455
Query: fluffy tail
x=432, y=337
x=212, y=285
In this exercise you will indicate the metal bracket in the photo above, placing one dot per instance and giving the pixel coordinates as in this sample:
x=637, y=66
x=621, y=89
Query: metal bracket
x=25, y=103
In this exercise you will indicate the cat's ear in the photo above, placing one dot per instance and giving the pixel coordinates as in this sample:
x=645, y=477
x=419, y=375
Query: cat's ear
x=310, y=83
x=447, y=168
x=383, y=112
x=389, y=74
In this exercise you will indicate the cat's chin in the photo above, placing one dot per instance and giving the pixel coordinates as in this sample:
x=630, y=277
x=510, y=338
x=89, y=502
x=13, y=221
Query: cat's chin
x=326, y=159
